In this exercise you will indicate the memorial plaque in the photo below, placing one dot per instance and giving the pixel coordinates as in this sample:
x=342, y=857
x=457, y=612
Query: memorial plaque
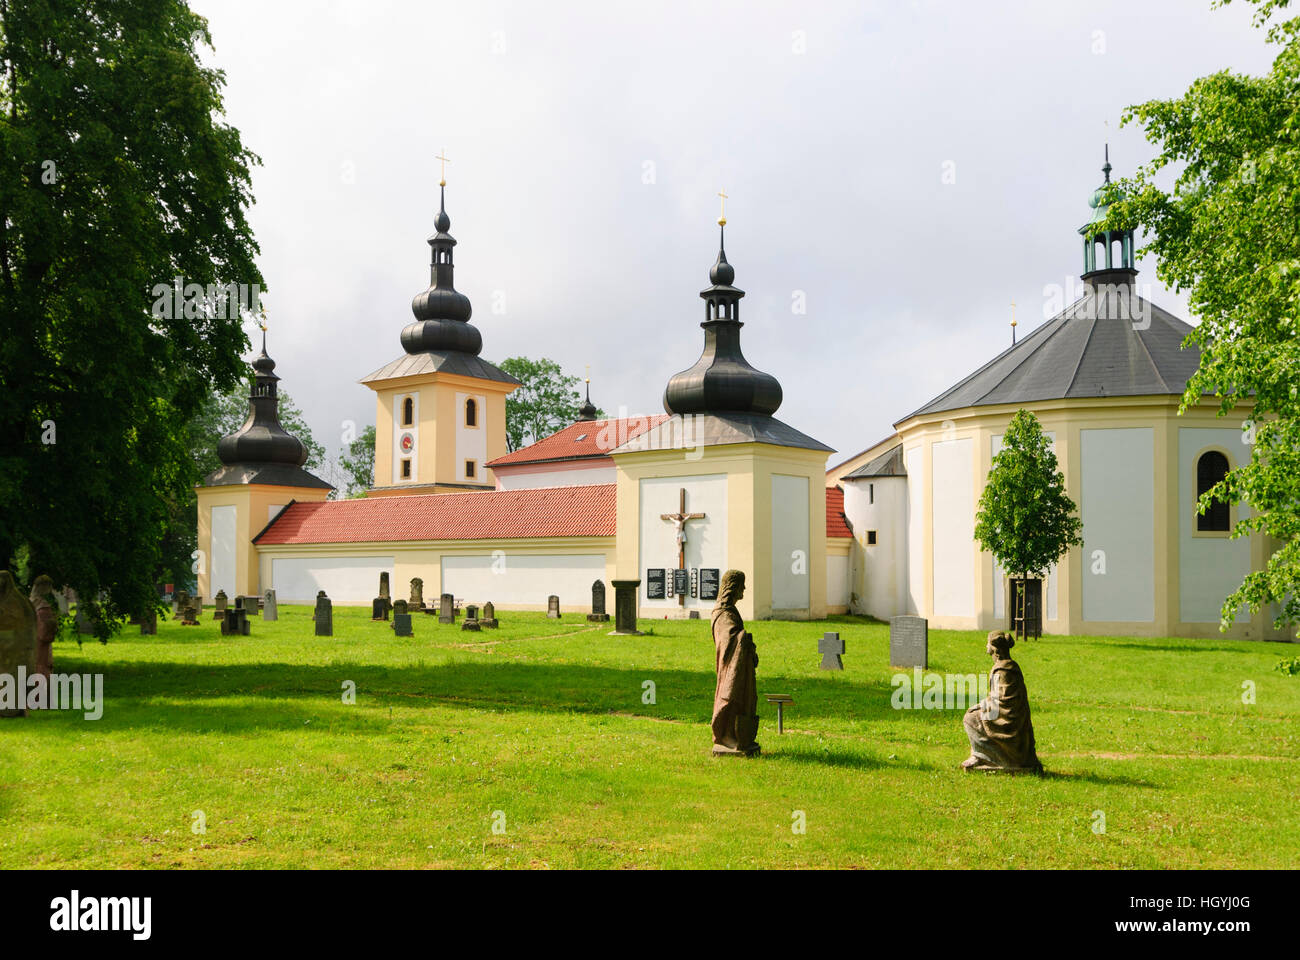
x=402, y=623
x=270, y=610
x=681, y=581
x=709, y=583
x=446, y=609
x=830, y=647
x=655, y=584
x=909, y=642
x=553, y=607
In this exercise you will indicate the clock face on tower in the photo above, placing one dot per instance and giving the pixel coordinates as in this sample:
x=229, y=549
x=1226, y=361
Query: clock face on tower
x=407, y=442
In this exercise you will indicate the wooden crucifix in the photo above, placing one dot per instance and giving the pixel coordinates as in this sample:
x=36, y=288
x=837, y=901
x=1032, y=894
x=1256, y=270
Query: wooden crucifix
x=679, y=521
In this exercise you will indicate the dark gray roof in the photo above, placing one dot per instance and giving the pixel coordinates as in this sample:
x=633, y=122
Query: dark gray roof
x=440, y=361
x=888, y=464
x=274, y=474
x=719, y=429
x=1078, y=354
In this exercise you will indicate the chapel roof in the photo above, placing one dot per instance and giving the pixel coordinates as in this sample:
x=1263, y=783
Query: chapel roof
x=583, y=440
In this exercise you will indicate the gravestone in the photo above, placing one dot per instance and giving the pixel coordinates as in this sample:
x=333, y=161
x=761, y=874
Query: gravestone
x=909, y=642
x=251, y=606
x=383, y=585
x=598, y=614
x=553, y=607
x=379, y=608
x=83, y=621
x=470, y=625
x=471, y=612
x=17, y=640
x=193, y=610
x=402, y=621
x=180, y=601
x=625, y=609
x=270, y=609
x=222, y=601
x=324, y=616
x=149, y=623
x=446, y=609
x=417, y=594
x=489, y=618
x=241, y=619
x=831, y=647
x=400, y=607
x=230, y=622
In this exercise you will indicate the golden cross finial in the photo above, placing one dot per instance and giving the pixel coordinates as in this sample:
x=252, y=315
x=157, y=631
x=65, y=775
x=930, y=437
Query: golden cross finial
x=1013, y=313
x=442, y=170
x=588, y=373
x=722, y=216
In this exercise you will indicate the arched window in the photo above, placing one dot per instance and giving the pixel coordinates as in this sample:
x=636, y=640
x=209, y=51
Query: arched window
x=408, y=412
x=471, y=413
x=1210, y=469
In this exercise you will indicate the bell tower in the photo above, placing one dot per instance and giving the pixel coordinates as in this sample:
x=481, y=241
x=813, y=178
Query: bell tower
x=441, y=413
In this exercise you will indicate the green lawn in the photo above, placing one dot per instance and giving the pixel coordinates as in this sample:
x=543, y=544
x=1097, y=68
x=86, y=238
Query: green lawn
x=544, y=722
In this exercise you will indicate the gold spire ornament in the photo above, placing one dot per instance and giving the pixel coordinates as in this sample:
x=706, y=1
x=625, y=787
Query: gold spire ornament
x=722, y=216
x=1013, y=323
x=442, y=169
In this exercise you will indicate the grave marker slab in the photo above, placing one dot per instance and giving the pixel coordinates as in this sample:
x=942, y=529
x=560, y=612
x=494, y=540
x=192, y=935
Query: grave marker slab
x=270, y=609
x=402, y=625
x=446, y=608
x=625, y=607
x=222, y=602
x=553, y=607
x=598, y=614
x=324, y=615
x=489, y=618
x=909, y=642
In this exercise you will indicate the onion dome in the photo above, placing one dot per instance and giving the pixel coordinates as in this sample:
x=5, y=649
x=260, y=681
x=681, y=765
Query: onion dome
x=441, y=312
x=588, y=409
x=261, y=439
x=722, y=381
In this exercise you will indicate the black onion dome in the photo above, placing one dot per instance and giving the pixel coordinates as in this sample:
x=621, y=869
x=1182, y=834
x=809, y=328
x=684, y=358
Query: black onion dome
x=261, y=440
x=722, y=381
x=588, y=409
x=441, y=312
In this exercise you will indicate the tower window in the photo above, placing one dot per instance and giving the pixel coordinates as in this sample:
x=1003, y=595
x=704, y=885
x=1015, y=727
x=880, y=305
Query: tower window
x=871, y=538
x=470, y=469
x=1210, y=469
x=406, y=468
x=408, y=411
x=871, y=493
x=471, y=413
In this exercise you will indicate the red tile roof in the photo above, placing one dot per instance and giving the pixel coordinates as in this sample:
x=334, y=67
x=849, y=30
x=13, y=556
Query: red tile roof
x=582, y=440
x=837, y=525
x=481, y=515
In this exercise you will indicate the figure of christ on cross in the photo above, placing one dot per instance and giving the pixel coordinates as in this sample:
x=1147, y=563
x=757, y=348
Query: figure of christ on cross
x=679, y=522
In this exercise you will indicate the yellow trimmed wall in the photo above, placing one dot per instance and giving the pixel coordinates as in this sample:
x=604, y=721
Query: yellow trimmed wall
x=440, y=432
x=1066, y=419
x=749, y=468
x=252, y=502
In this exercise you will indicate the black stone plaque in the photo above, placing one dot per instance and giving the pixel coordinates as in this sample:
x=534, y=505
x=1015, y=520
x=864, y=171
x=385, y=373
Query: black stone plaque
x=324, y=615
x=402, y=624
x=681, y=581
x=709, y=583
x=656, y=583
x=909, y=642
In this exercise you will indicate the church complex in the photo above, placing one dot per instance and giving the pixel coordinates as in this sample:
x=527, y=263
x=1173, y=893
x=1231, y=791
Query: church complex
x=669, y=501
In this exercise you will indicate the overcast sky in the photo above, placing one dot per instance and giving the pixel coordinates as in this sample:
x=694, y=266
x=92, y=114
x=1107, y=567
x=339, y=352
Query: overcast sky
x=588, y=142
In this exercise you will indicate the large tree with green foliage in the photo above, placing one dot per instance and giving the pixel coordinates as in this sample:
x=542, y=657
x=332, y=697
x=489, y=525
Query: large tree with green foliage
x=357, y=463
x=547, y=401
x=116, y=175
x=1226, y=232
x=1025, y=517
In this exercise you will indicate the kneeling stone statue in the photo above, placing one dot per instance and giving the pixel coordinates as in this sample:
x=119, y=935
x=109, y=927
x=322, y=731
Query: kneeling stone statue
x=1000, y=732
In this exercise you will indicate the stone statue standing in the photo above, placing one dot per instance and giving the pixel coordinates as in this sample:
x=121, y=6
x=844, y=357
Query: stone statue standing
x=17, y=641
x=735, y=701
x=47, y=624
x=1000, y=732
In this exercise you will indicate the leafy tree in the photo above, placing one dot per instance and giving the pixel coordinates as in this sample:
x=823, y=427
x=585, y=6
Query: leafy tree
x=116, y=175
x=547, y=401
x=358, y=463
x=1226, y=233
x=1025, y=517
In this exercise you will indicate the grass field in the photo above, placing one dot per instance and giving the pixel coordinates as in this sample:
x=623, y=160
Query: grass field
x=540, y=730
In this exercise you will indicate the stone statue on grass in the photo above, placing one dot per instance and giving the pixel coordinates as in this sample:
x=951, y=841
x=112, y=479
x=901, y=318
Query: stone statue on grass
x=1000, y=732
x=735, y=701
x=47, y=624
